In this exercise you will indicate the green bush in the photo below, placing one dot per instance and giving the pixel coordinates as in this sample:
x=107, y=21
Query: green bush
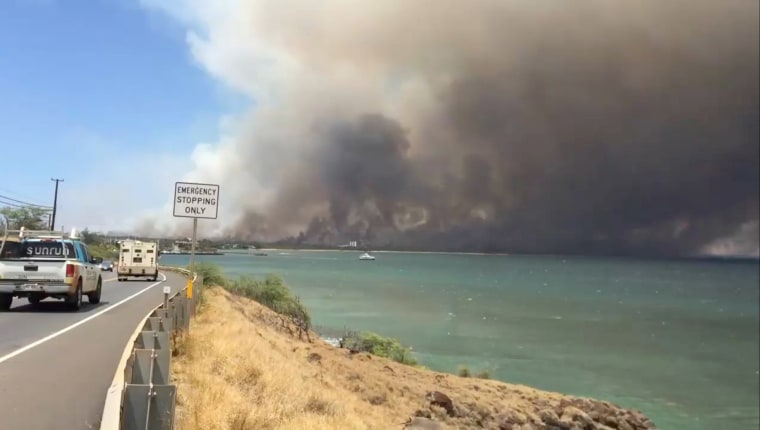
x=212, y=274
x=465, y=372
x=274, y=294
x=104, y=251
x=381, y=346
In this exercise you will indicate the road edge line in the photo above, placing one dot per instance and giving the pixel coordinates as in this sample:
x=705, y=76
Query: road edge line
x=52, y=336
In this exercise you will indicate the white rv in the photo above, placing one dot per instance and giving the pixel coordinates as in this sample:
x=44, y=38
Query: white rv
x=137, y=259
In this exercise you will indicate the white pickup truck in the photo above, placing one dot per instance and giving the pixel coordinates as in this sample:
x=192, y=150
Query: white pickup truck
x=41, y=264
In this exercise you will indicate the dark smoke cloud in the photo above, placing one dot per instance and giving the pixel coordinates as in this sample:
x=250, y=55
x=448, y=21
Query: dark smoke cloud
x=572, y=127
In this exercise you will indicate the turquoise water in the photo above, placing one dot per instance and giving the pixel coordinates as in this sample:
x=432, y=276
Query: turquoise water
x=678, y=340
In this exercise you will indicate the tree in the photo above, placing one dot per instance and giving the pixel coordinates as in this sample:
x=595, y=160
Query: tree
x=29, y=217
x=89, y=237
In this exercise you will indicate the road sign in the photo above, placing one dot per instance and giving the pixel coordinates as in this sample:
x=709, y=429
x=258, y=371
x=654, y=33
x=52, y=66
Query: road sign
x=192, y=200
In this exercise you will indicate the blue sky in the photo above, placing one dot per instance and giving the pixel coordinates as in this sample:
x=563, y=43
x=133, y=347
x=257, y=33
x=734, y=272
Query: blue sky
x=103, y=81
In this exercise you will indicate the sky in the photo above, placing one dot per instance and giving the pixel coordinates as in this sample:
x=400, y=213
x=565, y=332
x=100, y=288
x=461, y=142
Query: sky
x=105, y=95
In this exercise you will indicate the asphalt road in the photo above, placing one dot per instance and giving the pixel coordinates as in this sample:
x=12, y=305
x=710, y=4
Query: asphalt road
x=56, y=365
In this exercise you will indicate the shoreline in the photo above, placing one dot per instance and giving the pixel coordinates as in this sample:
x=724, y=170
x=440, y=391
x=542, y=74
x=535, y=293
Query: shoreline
x=726, y=259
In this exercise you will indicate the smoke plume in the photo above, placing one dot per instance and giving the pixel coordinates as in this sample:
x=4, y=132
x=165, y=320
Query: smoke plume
x=591, y=126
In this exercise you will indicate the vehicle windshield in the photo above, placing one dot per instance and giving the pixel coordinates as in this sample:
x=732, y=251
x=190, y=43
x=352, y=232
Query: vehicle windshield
x=39, y=249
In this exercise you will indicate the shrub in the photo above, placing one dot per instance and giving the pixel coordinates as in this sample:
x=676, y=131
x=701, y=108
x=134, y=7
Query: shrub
x=274, y=294
x=104, y=251
x=381, y=346
x=212, y=274
x=464, y=372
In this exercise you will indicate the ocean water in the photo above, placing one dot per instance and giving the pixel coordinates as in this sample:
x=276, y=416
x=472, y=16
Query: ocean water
x=678, y=340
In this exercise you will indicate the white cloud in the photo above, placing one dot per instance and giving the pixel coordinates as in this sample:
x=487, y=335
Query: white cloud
x=115, y=191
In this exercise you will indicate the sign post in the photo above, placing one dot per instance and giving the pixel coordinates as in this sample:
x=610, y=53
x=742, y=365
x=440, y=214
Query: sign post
x=193, y=200
x=167, y=291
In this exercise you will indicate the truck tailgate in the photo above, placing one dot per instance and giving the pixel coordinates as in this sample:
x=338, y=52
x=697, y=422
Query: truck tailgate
x=32, y=270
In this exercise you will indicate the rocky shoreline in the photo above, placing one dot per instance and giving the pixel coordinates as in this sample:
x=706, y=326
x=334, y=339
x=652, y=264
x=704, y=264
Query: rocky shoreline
x=560, y=413
x=565, y=414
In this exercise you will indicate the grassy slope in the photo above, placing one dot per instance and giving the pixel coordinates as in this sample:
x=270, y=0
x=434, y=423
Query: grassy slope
x=241, y=369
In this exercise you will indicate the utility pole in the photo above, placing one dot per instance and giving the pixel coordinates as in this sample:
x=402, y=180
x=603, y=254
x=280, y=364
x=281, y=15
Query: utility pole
x=55, y=202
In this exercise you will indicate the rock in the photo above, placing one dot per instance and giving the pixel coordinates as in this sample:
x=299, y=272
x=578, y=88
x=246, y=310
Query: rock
x=437, y=398
x=424, y=413
x=510, y=420
x=576, y=416
x=420, y=423
x=550, y=418
x=526, y=426
x=593, y=414
x=314, y=357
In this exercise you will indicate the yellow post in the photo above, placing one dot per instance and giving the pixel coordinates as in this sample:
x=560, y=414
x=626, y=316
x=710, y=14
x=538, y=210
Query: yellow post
x=189, y=288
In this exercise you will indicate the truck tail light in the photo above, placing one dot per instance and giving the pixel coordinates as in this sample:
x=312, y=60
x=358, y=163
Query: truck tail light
x=69, y=270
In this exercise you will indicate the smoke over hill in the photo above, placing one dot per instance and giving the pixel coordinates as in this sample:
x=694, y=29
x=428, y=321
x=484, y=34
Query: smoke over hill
x=587, y=127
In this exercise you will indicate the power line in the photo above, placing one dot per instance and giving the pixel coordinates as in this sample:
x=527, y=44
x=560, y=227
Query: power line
x=14, y=194
x=15, y=205
x=23, y=202
x=12, y=205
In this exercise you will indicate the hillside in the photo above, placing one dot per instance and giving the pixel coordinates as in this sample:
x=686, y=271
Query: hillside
x=242, y=369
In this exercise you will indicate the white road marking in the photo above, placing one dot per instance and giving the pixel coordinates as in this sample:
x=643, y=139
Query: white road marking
x=77, y=324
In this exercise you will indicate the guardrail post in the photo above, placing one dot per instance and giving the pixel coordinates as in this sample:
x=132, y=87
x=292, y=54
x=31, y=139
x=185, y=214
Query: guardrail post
x=149, y=407
x=180, y=303
x=198, y=293
x=186, y=311
x=166, y=320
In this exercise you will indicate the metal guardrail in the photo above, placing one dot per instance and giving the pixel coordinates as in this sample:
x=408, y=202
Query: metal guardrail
x=141, y=396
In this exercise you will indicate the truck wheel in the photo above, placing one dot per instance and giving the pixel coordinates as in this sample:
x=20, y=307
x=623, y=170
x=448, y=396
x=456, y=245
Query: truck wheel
x=5, y=302
x=75, y=301
x=94, y=297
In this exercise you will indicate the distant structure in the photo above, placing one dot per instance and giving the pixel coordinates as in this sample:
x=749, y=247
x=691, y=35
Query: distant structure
x=182, y=247
x=351, y=244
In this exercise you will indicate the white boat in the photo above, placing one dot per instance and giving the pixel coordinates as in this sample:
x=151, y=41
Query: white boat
x=366, y=256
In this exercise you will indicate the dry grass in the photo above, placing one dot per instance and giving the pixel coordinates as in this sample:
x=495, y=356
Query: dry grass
x=239, y=369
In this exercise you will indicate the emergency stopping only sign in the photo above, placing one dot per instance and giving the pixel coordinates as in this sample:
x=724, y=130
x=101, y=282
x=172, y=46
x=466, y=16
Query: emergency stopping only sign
x=193, y=200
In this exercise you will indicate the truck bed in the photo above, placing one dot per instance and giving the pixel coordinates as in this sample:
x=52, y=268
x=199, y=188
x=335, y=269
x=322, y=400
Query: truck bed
x=33, y=269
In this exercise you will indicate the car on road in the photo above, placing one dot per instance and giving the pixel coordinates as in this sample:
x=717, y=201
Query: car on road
x=106, y=266
x=42, y=264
